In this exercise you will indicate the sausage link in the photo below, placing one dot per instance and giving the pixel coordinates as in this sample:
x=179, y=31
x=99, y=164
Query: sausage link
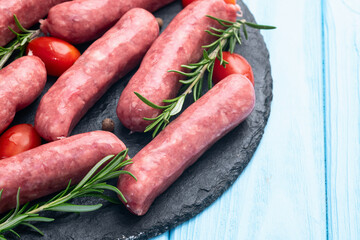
x=84, y=20
x=184, y=140
x=102, y=64
x=28, y=12
x=21, y=82
x=49, y=168
x=181, y=43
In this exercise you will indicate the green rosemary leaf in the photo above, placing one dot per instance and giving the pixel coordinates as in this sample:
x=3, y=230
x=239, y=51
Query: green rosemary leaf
x=171, y=100
x=217, y=30
x=184, y=73
x=213, y=34
x=210, y=75
x=33, y=227
x=39, y=219
x=178, y=106
x=13, y=222
x=232, y=44
x=62, y=193
x=221, y=21
x=257, y=26
x=147, y=102
x=67, y=207
x=91, y=172
x=221, y=55
x=237, y=36
x=15, y=233
x=17, y=204
x=152, y=119
x=211, y=44
x=245, y=31
x=115, y=164
x=199, y=64
x=33, y=207
x=189, y=67
x=102, y=196
x=117, y=174
x=153, y=125
x=6, y=217
x=18, y=24
x=105, y=186
x=158, y=128
x=123, y=197
x=23, y=208
x=13, y=31
x=188, y=81
x=205, y=55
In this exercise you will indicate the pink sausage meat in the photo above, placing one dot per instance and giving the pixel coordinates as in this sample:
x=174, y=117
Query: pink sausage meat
x=48, y=168
x=84, y=20
x=180, y=43
x=21, y=82
x=102, y=64
x=184, y=140
x=28, y=12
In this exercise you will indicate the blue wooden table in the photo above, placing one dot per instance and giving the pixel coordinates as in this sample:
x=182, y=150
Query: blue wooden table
x=304, y=179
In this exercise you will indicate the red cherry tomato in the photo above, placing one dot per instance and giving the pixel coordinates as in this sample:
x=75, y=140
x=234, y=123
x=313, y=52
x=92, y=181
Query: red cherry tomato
x=237, y=64
x=57, y=54
x=17, y=139
x=187, y=2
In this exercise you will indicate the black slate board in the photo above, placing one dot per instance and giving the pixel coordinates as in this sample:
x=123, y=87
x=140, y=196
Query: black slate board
x=197, y=188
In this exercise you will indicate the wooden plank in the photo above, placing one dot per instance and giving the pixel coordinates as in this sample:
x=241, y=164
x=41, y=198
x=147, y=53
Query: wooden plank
x=281, y=194
x=342, y=85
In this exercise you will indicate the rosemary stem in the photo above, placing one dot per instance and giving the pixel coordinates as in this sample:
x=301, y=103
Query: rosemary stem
x=12, y=48
x=212, y=57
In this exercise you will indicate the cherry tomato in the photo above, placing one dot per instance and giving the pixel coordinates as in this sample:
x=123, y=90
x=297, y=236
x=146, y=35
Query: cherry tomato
x=237, y=64
x=57, y=54
x=187, y=2
x=17, y=139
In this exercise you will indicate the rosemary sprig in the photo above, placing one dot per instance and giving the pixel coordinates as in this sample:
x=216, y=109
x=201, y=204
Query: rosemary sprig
x=226, y=41
x=93, y=184
x=19, y=43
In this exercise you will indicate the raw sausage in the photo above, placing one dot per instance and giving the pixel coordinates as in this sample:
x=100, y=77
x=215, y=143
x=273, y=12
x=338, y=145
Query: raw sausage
x=49, y=168
x=84, y=20
x=184, y=140
x=21, y=82
x=102, y=64
x=28, y=12
x=180, y=43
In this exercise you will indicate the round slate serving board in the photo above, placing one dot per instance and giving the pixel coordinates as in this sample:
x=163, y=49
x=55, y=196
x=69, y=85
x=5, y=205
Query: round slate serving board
x=197, y=188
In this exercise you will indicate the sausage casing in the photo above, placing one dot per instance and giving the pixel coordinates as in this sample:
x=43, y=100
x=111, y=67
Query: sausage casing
x=84, y=20
x=28, y=12
x=21, y=82
x=184, y=140
x=102, y=64
x=49, y=167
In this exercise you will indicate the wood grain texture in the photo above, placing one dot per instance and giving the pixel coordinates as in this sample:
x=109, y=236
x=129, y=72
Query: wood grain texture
x=281, y=194
x=342, y=86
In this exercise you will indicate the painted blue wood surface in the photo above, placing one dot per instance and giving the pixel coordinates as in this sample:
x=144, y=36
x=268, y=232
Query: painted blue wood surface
x=342, y=86
x=304, y=180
